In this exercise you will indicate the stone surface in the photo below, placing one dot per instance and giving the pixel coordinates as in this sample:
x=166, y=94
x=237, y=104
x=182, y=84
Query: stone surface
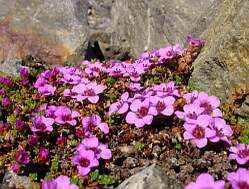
x=58, y=31
x=150, y=178
x=223, y=65
x=12, y=180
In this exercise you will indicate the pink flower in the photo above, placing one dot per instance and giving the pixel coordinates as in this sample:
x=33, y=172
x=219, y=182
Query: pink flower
x=94, y=69
x=61, y=182
x=100, y=150
x=222, y=130
x=195, y=42
x=206, y=181
x=6, y=102
x=135, y=87
x=85, y=161
x=166, y=53
x=42, y=124
x=24, y=72
x=121, y=106
x=163, y=106
x=239, y=179
x=167, y=89
x=20, y=125
x=141, y=113
x=43, y=154
x=199, y=133
x=191, y=97
x=63, y=115
x=240, y=153
x=90, y=123
x=22, y=157
x=15, y=168
x=47, y=90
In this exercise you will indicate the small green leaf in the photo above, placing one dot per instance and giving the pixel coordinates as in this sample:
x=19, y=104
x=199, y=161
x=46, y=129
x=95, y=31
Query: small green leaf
x=74, y=143
x=33, y=176
x=106, y=180
x=139, y=146
x=94, y=175
x=178, y=146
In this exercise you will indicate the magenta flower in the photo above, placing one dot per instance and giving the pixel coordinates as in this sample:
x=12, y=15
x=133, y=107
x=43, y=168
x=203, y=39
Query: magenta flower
x=121, y=106
x=90, y=123
x=63, y=115
x=40, y=82
x=240, y=153
x=134, y=73
x=116, y=71
x=222, y=130
x=71, y=79
x=47, y=90
x=135, y=87
x=85, y=161
x=94, y=69
x=24, y=72
x=20, y=125
x=43, y=154
x=166, y=53
x=206, y=181
x=141, y=113
x=191, y=113
x=168, y=89
x=5, y=81
x=61, y=182
x=199, y=133
x=25, y=82
x=32, y=139
x=2, y=92
x=195, y=42
x=42, y=124
x=239, y=179
x=209, y=103
x=89, y=91
x=191, y=97
x=163, y=106
x=6, y=102
x=15, y=168
x=22, y=157
x=100, y=150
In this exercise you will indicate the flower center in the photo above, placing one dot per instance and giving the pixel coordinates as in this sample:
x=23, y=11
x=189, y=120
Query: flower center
x=208, y=108
x=66, y=117
x=89, y=92
x=142, y=112
x=199, y=132
x=84, y=162
x=40, y=126
x=160, y=106
x=95, y=69
x=192, y=115
x=243, y=185
x=134, y=74
x=243, y=153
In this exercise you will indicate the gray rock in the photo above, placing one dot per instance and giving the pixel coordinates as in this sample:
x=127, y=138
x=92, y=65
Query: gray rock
x=59, y=31
x=150, y=178
x=12, y=180
x=223, y=65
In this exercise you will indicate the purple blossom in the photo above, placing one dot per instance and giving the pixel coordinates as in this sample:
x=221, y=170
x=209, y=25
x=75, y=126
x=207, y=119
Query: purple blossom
x=100, y=150
x=163, y=106
x=116, y=71
x=22, y=157
x=6, y=102
x=2, y=92
x=141, y=113
x=24, y=72
x=71, y=79
x=89, y=91
x=25, y=82
x=209, y=103
x=15, y=168
x=90, y=123
x=94, y=69
x=222, y=130
x=5, y=81
x=32, y=139
x=63, y=115
x=239, y=179
x=134, y=73
x=85, y=161
x=40, y=82
x=199, y=132
x=61, y=182
x=168, y=89
x=42, y=124
x=240, y=153
x=191, y=97
x=206, y=181
x=135, y=87
x=166, y=53
x=191, y=113
x=47, y=90
x=196, y=42
x=43, y=154
x=20, y=125
x=121, y=106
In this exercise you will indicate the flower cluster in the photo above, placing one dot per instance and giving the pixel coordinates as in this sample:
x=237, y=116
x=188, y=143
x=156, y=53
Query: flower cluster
x=88, y=154
x=240, y=153
x=143, y=107
x=61, y=182
x=238, y=180
x=203, y=119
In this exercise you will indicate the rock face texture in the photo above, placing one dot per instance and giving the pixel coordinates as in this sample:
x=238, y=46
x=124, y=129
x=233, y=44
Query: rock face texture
x=56, y=31
x=150, y=178
x=223, y=65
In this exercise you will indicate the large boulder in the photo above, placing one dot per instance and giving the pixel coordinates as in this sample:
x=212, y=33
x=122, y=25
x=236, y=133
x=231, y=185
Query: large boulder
x=223, y=65
x=59, y=31
x=150, y=178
